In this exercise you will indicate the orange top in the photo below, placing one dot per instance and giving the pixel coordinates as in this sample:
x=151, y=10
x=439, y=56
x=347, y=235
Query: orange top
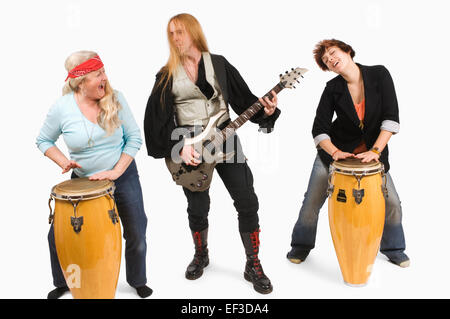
x=360, y=110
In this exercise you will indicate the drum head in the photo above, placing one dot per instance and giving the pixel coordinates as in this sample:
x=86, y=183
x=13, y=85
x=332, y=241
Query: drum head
x=354, y=165
x=82, y=188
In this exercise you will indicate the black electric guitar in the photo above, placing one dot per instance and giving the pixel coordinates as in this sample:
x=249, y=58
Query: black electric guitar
x=209, y=142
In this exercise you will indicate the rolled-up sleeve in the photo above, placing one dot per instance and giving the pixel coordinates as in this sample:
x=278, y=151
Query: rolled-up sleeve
x=131, y=131
x=321, y=137
x=390, y=126
x=51, y=129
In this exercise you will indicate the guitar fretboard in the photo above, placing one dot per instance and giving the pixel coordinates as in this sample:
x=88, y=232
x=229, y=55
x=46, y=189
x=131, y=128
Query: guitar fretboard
x=243, y=118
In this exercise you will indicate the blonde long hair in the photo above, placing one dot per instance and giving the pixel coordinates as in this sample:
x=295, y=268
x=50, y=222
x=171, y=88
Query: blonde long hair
x=194, y=29
x=108, y=118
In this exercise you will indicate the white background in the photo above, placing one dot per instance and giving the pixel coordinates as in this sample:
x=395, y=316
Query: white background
x=261, y=39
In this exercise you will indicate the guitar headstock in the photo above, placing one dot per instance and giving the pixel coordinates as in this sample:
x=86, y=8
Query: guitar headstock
x=288, y=79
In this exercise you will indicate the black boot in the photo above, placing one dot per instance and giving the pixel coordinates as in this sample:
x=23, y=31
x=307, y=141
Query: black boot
x=201, y=259
x=253, y=269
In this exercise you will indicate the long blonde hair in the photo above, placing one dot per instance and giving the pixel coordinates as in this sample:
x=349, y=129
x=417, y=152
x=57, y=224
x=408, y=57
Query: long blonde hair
x=194, y=29
x=108, y=118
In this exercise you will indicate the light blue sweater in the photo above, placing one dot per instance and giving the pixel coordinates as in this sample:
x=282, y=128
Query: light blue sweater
x=66, y=118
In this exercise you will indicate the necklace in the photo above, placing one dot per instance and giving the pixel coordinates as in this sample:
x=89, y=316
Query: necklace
x=361, y=123
x=90, y=140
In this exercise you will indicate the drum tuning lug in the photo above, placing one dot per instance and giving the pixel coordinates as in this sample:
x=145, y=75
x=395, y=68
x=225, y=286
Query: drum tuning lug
x=51, y=216
x=113, y=216
x=76, y=222
x=358, y=194
x=384, y=189
x=330, y=190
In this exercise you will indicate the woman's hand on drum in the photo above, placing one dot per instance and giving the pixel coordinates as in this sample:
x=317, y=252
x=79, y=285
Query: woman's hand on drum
x=368, y=156
x=110, y=175
x=342, y=155
x=69, y=165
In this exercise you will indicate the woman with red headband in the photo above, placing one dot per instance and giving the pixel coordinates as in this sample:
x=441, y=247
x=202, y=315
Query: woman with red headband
x=103, y=138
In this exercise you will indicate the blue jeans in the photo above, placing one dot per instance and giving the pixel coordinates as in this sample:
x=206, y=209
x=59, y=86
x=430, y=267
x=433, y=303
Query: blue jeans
x=304, y=233
x=130, y=206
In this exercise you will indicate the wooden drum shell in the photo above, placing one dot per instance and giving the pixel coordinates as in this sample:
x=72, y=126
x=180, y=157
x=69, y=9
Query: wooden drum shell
x=90, y=258
x=356, y=229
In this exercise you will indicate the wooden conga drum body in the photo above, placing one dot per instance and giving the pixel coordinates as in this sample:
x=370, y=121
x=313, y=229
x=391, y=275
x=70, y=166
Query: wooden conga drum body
x=356, y=211
x=88, y=237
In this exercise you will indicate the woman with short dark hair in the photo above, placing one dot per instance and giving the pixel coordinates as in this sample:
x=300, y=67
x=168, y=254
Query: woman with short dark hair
x=364, y=101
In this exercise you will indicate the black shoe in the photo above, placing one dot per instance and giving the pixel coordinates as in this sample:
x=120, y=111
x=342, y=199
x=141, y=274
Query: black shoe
x=57, y=293
x=297, y=255
x=397, y=258
x=201, y=259
x=253, y=269
x=144, y=291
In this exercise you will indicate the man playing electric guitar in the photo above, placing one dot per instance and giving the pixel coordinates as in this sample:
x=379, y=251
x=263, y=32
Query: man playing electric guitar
x=191, y=88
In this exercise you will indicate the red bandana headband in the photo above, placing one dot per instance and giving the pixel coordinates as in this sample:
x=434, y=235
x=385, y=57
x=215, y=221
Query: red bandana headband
x=86, y=67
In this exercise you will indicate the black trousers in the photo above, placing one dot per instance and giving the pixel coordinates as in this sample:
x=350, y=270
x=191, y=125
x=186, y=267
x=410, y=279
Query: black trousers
x=238, y=179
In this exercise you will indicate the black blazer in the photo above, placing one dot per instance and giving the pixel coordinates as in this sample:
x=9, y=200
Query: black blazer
x=380, y=105
x=160, y=118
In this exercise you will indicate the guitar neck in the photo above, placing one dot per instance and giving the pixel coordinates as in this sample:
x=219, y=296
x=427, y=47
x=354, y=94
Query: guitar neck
x=245, y=116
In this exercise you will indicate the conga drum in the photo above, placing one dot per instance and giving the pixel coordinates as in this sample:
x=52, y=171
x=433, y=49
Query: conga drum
x=87, y=236
x=356, y=210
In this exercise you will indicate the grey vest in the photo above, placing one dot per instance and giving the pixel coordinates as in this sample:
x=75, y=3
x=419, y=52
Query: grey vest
x=192, y=107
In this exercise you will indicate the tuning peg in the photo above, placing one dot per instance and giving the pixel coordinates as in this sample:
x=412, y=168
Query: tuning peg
x=287, y=72
x=292, y=69
x=281, y=75
x=297, y=81
x=294, y=87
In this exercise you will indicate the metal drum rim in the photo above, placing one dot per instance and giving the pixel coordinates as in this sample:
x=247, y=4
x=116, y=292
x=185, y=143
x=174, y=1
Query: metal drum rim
x=84, y=197
x=90, y=195
x=372, y=170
